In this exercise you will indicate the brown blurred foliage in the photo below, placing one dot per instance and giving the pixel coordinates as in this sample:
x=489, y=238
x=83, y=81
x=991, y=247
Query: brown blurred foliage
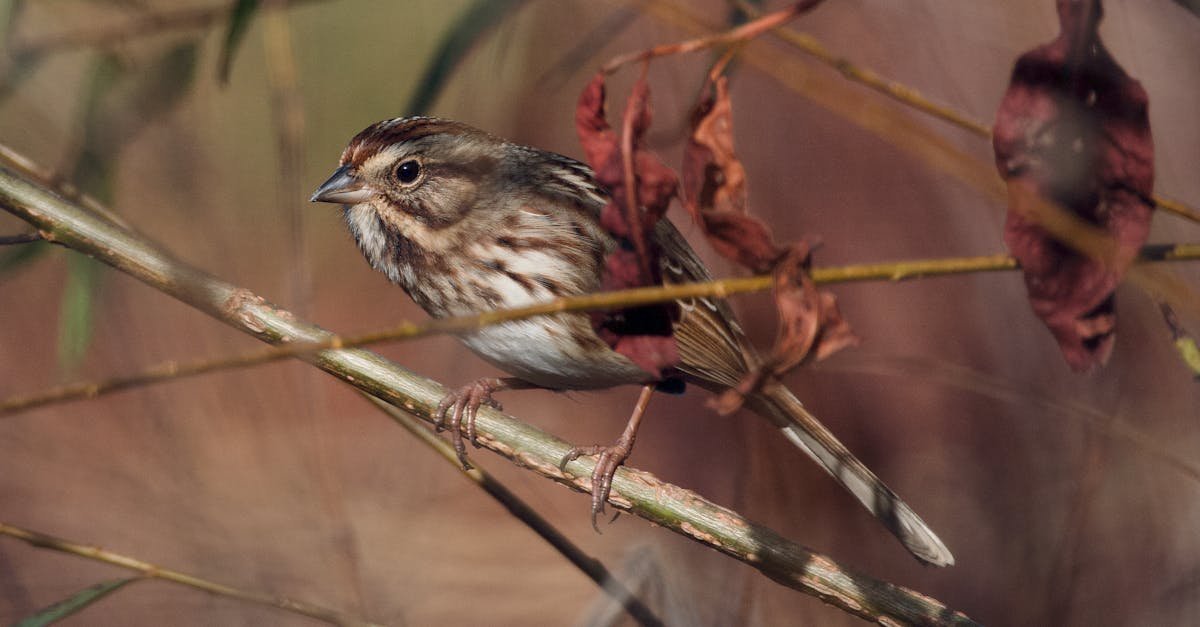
x=1067, y=499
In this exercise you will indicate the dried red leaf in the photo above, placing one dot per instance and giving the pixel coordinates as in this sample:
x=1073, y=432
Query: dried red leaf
x=714, y=186
x=1073, y=129
x=714, y=192
x=643, y=334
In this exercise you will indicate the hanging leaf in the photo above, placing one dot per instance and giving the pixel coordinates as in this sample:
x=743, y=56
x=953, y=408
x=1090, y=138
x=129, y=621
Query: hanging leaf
x=714, y=192
x=75, y=311
x=467, y=31
x=1073, y=130
x=73, y=604
x=240, y=15
x=643, y=334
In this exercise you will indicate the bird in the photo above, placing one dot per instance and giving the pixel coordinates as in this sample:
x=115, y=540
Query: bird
x=467, y=222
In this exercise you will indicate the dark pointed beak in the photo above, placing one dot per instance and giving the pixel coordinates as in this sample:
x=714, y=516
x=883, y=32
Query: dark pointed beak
x=343, y=187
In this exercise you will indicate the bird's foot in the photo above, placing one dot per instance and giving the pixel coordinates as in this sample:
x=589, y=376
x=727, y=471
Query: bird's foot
x=609, y=458
x=466, y=402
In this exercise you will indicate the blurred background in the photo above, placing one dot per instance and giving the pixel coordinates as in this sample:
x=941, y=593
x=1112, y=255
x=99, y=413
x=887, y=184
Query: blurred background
x=1066, y=498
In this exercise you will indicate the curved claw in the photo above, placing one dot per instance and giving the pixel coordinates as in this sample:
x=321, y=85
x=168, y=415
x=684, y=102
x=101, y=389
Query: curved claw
x=465, y=403
x=479, y=395
x=608, y=459
x=448, y=401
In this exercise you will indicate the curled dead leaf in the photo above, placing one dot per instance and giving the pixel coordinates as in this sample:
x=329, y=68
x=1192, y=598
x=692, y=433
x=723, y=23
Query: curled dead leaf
x=714, y=192
x=643, y=334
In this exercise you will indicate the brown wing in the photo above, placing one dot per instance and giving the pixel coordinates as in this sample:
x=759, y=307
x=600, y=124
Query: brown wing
x=712, y=347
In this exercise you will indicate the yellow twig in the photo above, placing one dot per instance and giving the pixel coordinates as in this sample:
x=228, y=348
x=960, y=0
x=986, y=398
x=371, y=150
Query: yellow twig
x=745, y=32
x=897, y=271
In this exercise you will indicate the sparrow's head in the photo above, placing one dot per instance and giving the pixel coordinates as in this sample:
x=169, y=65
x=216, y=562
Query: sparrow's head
x=423, y=169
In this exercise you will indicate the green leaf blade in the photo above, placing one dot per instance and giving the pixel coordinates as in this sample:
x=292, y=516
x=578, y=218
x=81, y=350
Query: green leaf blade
x=240, y=17
x=73, y=604
x=476, y=21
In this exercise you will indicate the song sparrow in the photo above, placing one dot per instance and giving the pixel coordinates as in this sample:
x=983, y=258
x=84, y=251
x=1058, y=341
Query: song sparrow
x=466, y=222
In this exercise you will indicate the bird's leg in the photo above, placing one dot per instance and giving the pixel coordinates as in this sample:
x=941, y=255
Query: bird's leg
x=466, y=402
x=609, y=458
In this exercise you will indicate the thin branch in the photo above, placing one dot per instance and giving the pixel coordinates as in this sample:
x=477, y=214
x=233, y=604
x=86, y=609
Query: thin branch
x=742, y=33
x=140, y=26
x=911, y=97
x=146, y=569
x=899, y=92
x=1185, y=344
x=599, y=301
x=12, y=159
x=144, y=25
x=638, y=492
x=20, y=238
x=1176, y=207
x=590, y=566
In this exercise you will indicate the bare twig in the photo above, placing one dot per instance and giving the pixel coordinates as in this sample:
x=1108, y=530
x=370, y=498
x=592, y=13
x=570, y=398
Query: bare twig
x=143, y=25
x=600, y=301
x=640, y=493
x=20, y=238
x=742, y=33
x=1176, y=207
x=899, y=92
x=45, y=541
x=1185, y=344
x=30, y=170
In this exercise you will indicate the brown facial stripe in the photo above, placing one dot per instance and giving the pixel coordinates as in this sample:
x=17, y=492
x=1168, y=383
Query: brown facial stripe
x=474, y=170
x=419, y=200
x=415, y=206
x=382, y=134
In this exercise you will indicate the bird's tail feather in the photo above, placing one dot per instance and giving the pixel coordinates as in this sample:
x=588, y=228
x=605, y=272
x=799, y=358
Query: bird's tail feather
x=803, y=429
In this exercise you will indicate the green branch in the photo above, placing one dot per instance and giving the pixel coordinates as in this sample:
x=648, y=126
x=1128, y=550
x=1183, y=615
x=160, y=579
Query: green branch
x=634, y=491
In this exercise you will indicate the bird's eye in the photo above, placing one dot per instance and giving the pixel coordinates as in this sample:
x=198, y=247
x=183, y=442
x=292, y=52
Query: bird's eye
x=408, y=171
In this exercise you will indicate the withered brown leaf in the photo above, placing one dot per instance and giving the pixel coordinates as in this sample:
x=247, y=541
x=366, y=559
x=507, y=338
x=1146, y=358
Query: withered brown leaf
x=1073, y=129
x=643, y=334
x=714, y=192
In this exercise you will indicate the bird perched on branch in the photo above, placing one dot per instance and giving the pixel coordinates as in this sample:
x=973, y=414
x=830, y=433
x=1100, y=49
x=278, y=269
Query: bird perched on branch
x=467, y=222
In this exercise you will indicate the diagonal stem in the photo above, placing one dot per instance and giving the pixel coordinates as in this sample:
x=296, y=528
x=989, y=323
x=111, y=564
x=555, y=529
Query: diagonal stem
x=45, y=541
x=644, y=495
